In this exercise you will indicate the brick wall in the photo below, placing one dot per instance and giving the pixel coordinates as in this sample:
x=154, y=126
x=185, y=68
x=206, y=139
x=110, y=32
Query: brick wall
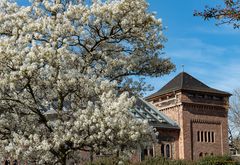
x=198, y=114
x=209, y=117
x=168, y=136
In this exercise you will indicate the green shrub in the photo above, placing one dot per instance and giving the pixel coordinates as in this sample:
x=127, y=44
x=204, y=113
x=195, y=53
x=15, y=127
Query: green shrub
x=154, y=161
x=209, y=160
x=108, y=161
x=162, y=161
x=217, y=160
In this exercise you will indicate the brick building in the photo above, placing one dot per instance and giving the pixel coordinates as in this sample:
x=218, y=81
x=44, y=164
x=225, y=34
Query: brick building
x=201, y=115
x=191, y=119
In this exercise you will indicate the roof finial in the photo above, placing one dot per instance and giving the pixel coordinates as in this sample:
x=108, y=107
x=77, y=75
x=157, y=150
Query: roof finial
x=183, y=67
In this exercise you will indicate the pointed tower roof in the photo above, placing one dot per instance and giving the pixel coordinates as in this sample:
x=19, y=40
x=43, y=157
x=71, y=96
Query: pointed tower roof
x=184, y=81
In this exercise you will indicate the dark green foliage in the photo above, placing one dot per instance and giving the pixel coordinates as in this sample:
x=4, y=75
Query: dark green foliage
x=107, y=161
x=210, y=160
x=217, y=160
x=162, y=161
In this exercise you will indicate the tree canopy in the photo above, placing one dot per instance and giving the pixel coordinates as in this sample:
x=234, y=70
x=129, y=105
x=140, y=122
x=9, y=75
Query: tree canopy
x=229, y=13
x=66, y=75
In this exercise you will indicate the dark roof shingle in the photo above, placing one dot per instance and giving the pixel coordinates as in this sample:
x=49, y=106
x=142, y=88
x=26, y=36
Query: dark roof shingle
x=184, y=81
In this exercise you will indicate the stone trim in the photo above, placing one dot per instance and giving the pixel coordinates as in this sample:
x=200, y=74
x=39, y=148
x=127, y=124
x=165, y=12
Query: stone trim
x=173, y=107
x=203, y=106
x=205, y=121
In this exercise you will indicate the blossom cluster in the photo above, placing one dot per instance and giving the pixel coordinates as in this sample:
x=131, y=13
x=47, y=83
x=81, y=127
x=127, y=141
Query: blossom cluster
x=76, y=59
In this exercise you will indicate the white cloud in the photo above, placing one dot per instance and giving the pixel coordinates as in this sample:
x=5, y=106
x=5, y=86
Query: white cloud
x=216, y=66
x=227, y=77
x=193, y=49
x=218, y=30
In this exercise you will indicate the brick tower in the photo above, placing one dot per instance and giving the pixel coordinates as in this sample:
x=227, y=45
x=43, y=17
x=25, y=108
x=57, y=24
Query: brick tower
x=201, y=113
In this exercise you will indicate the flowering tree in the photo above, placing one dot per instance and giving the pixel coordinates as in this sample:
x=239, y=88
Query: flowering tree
x=234, y=119
x=228, y=13
x=76, y=59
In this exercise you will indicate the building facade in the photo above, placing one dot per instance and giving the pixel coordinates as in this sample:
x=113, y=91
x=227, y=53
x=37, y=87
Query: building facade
x=201, y=114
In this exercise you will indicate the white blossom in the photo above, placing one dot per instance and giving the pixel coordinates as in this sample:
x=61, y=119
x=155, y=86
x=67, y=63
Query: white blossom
x=66, y=74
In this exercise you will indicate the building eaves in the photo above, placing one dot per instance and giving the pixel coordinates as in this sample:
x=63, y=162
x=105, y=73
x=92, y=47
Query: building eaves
x=184, y=81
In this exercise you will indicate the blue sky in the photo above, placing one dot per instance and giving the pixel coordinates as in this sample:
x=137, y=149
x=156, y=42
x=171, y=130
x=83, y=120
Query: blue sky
x=208, y=52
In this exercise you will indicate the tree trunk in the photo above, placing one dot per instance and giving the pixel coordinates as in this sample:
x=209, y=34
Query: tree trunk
x=91, y=155
x=64, y=160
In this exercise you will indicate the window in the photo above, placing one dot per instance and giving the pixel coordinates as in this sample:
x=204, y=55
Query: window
x=209, y=136
x=170, y=96
x=15, y=162
x=146, y=152
x=217, y=98
x=163, y=98
x=201, y=136
x=191, y=95
x=213, y=138
x=200, y=96
x=205, y=137
x=209, y=97
x=162, y=150
x=198, y=136
x=7, y=162
x=204, y=154
x=151, y=152
x=168, y=151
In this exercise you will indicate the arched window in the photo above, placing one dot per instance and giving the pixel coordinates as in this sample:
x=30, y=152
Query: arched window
x=15, y=162
x=200, y=155
x=151, y=152
x=206, y=154
x=142, y=155
x=7, y=162
x=168, y=151
x=146, y=152
x=162, y=150
x=211, y=154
